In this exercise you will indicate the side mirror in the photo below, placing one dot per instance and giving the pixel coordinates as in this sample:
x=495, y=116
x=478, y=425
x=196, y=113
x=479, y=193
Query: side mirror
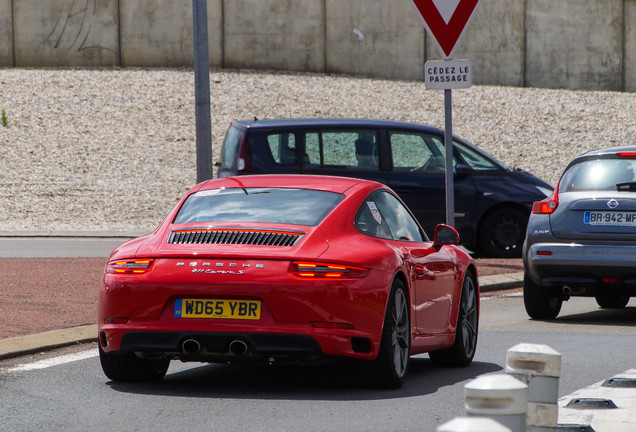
x=462, y=169
x=445, y=235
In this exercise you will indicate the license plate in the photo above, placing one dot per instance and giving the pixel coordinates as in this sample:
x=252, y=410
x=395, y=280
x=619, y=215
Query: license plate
x=211, y=308
x=609, y=218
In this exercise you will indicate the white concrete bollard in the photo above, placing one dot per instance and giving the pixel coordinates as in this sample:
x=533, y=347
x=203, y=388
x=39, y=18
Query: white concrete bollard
x=500, y=397
x=539, y=367
x=472, y=424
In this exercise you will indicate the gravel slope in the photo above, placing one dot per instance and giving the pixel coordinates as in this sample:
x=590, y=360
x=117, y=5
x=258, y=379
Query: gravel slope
x=114, y=149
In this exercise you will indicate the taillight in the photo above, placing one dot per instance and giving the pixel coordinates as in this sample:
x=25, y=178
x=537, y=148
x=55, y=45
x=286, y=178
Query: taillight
x=314, y=270
x=244, y=161
x=547, y=206
x=135, y=266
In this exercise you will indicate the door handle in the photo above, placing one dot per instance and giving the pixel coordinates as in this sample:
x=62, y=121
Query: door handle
x=422, y=272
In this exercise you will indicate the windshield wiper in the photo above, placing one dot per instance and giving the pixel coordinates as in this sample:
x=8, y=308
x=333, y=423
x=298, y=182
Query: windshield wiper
x=626, y=187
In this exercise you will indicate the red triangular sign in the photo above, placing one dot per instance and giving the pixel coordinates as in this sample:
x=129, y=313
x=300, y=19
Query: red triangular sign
x=446, y=34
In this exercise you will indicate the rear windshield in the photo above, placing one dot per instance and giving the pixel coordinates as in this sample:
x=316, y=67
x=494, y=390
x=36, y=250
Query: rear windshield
x=260, y=205
x=598, y=175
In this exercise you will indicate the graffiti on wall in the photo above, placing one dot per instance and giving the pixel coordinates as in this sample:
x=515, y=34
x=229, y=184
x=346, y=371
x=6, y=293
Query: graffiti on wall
x=80, y=26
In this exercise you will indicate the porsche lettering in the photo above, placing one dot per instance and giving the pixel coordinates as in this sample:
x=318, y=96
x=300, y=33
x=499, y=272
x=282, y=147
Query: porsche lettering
x=199, y=265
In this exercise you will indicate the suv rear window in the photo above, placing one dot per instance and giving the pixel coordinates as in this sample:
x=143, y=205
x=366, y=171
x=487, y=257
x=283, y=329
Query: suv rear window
x=598, y=175
x=259, y=205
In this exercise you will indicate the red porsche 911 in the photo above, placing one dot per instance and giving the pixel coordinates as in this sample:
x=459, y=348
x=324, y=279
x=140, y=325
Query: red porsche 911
x=288, y=268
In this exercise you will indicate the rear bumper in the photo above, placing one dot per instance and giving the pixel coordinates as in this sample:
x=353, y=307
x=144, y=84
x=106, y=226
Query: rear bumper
x=216, y=346
x=575, y=264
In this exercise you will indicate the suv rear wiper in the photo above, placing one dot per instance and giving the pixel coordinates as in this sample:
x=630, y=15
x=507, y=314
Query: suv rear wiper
x=626, y=187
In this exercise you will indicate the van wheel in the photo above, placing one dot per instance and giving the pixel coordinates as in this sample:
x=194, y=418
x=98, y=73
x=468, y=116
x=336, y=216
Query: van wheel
x=612, y=301
x=502, y=232
x=540, y=302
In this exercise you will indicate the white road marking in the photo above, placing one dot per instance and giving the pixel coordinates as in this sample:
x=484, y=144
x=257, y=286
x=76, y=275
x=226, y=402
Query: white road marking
x=494, y=296
x=55, y=361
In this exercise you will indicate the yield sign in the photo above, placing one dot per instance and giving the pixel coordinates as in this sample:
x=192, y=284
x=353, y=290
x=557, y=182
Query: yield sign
x=446, y=20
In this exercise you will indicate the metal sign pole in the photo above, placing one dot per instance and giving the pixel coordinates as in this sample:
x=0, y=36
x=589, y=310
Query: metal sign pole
x=448, y=144
x=202, y=90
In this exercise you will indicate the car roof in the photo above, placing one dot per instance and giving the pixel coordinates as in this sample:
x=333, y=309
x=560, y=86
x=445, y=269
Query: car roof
x=333, y=122
x=602, y=153
x=297, y=181
x=610, y=151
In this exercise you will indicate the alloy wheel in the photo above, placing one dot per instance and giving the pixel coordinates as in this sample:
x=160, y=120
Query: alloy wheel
x=400, y=333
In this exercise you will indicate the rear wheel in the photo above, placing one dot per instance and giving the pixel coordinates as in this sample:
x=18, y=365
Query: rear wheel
x=463, y=350
x=612, y=301
x=130, y=368
x=392, y=364
x=502, y=232
x=540, y=302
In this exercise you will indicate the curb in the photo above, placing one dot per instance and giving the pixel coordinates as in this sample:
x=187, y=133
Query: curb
x=72, y=234
x=22, y=345
x=500, y=282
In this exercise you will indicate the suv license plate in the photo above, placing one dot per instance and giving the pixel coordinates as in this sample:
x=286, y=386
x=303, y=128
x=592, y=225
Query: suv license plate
x=609, y=218
x=209, y=308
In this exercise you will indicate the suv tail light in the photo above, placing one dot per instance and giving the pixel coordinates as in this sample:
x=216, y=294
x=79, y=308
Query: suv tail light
x=244, y=161
x=547, y=206
x=314, y=270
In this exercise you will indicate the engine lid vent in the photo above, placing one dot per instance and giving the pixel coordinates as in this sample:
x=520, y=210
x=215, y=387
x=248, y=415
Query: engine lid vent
x=244, y=236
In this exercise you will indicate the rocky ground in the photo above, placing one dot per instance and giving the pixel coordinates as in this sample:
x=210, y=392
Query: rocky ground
x=114, y=149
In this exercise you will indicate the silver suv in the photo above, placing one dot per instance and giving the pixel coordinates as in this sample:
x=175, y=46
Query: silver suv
x=582, y=240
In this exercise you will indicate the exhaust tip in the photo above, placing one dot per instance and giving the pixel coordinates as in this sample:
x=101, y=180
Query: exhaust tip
x=573, y=290
x=238, y=347
x=191, y=347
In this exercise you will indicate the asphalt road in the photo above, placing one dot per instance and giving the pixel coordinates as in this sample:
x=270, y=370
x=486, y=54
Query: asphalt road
x=50, y=392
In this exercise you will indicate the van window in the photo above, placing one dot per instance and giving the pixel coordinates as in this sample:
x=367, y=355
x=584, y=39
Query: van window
x=231, y=144
x=476, y=160
x=343, y=149
x=312, y=149
x=282, y=148
x=417, y=152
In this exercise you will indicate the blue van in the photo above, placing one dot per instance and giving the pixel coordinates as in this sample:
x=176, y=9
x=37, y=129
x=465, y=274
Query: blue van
x=492, y=201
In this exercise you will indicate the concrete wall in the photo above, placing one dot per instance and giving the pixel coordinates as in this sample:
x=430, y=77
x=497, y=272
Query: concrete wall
x=384, y=39
x=583, y=44
x=65, y=32
x=157, y=34
x=574, y=44
x=6, y=34
x=274, y=34
x=629, y=61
